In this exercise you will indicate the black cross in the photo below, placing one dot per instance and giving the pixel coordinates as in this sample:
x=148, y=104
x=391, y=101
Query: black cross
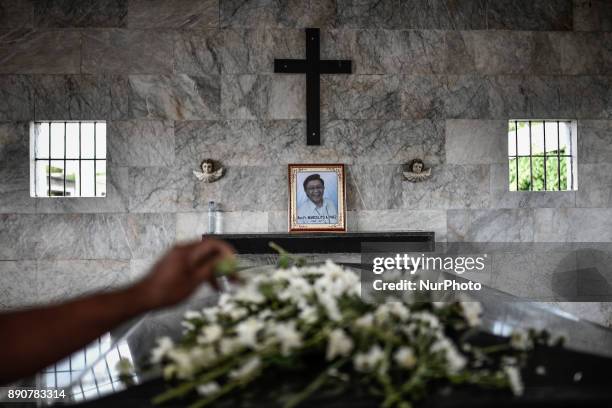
x=313, y=67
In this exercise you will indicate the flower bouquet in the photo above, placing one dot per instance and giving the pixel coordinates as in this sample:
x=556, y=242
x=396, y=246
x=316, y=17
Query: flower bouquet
x=299, y=332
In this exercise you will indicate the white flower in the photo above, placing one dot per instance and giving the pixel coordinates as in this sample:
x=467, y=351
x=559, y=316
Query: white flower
x=514, y=378
x=471, y=312
x=208, y=388
x=519, y=339
x=193, y=314
x=164, y=345
x=308, y=314
x=247, y=369
x=366, y=321
x=430, y=319
x=187, y=325
x=247, y=331
x=183, y=362
x=339, y=344
x=288, y=337
x=249, y=294
x=331, y=307
x=238, y=313
x=124, y=367
x=203, y=357
x=368, y=361
x=229, y=346
x=210, y=334
x=455, y=360
x=405, y=357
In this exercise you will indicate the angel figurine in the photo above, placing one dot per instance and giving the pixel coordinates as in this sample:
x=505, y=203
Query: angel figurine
x=208, y=173
x=417, y=171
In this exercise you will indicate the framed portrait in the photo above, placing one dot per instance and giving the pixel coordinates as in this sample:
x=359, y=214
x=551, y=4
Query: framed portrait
x=317, y=198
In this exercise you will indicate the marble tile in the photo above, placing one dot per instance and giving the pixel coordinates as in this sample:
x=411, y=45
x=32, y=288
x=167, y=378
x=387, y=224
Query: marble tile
x=123, y=51
x=287, y=97
x=476, y=141
x=35, y=52
x=198, y=52
x=191, y=226
x=65, y=13
x=423, y=52
x=139, y=268
x=403, y=220
x=592, y=96
x=573, y=225
x=252, y=50
x=15, y=168
x=186, y=14
x=251, y=188
x=450, y=186
x=72, y=97
x=534, y=15
x=547, y=52
x=515, y=225
x=389, y=142
x=502, y=197
x=501, y=52
x=115, y=201
x=532, y=96
x=460, y=53
x=19, y=236
x=81, y=236
x=594, y=141
x=152, y=189
x=423, y=96
x=536, y=275
x=243, y=13
x=360, y=97
x=61, y=280
x=141, y=143
x=16, y=14
x=230, y=142
x=150, y=235
x=581, y=54
x=443, y=14
x=373, y=187
x=378, y=51
x=466, y=97
x=120, y=95
x=592, y=15
x=595, y=185
x=245, y=96
x=310, y=13
x=178, y=97
x=368, y=14
x=16, y=97
x=18, y=284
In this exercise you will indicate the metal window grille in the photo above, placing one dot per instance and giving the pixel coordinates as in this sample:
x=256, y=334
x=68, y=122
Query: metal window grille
x=68, y=161
x=542, y=155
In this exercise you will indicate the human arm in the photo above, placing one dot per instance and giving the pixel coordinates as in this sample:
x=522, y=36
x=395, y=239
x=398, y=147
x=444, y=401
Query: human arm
x=32, y=339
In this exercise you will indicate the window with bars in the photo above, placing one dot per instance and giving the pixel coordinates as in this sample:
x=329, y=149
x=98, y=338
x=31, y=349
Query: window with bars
x=68, y=159
x=542, y=155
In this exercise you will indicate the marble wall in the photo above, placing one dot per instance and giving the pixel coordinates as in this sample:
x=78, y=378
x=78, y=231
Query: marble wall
x=178, y=81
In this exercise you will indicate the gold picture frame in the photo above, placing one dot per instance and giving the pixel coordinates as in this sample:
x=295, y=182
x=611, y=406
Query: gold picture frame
x=317, y=198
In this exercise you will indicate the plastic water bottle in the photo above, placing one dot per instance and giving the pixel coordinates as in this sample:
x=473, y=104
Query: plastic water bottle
x=212, y=209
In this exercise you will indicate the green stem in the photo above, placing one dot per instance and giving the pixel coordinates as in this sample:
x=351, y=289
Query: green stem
x=225, y=390
x=185, y=388
x=317, y=383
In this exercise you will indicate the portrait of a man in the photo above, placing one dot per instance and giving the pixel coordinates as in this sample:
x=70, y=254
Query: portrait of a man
x=316, y=197
x=316, y=209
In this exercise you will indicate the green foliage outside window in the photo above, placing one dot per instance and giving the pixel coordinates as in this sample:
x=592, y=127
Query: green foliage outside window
x=552, y=168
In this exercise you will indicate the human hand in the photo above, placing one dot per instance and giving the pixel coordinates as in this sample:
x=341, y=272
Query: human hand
x=181, y=270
